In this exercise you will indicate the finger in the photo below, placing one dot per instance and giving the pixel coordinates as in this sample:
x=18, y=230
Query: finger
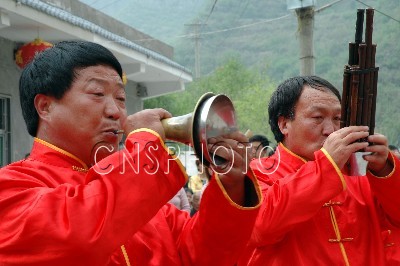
x=221, y=141
x=377, y=155
x=230, y=150
x=375, y=148
x=241, y=148
x=375, y=163
x=162, y=113
x=351, y=137
x=374, y=158
x=378, y=139
x=236, y=135
x=356, y=146
x=222, y=149
x=347, y=130
x=234, y=163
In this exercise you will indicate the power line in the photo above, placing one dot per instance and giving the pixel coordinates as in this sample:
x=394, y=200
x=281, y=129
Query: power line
x=244, y=9
x=233, y=22
x=398, y=21
x=224, y=30
x=212, y=10
x=209, y=14
x=241, y=10
x=327, y=5
x=246, y=26
x=250, y=24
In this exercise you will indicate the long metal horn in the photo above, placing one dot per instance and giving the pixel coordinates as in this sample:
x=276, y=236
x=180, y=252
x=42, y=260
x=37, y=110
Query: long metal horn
x=213, y=116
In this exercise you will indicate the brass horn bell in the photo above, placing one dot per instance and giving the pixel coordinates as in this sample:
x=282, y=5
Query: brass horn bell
x=213, y=116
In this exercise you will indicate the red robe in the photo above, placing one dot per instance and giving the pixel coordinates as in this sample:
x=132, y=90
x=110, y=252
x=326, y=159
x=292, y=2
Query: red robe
x=313, y=214
x=56, y=211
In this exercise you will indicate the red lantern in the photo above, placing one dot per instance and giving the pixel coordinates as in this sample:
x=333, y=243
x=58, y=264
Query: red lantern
x=26, y=52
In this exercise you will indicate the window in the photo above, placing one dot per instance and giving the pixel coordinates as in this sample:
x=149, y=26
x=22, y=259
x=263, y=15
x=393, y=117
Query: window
x=5, y=134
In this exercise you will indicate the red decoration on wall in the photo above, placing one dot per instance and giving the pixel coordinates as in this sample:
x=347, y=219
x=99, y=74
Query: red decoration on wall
x=26, y=52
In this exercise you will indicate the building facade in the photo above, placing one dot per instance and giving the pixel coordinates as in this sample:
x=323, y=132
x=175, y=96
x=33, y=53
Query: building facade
x=147, y=63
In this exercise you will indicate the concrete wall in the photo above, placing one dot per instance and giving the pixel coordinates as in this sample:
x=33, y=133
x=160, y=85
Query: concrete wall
x=9, y=77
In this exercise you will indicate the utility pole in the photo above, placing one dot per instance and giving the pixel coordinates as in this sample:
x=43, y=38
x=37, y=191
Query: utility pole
x=196, y=37
x=305, y=19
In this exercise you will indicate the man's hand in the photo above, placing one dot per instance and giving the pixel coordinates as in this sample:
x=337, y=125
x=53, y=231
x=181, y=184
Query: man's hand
x=378, y=162
x=149, y=118
x=343, y=142
x=232, y=147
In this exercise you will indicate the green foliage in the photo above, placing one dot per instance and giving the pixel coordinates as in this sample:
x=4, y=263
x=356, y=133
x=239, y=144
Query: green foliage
x=249, y=91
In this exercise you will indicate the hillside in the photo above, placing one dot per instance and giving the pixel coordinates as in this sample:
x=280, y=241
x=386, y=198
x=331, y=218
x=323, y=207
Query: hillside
x=162, y=19
x=263, y=35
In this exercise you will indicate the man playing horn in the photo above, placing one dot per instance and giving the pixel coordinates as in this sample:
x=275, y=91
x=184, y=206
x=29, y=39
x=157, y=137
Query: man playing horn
x=77, y=200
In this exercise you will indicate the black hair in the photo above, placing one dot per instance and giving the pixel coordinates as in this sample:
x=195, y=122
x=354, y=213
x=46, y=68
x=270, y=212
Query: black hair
x=284, y=99
x=52, y=72
x=262, y=139
x=393, y=147
x=189, y=190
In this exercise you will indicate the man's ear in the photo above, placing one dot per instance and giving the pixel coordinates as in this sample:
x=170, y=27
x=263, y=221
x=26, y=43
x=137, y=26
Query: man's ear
x=43, y=104
x=282, y=124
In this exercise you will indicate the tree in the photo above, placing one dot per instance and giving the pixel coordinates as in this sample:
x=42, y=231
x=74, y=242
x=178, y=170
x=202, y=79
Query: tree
x=248, y=89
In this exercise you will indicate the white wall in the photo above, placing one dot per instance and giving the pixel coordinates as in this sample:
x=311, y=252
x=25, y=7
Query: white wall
x=21, y=142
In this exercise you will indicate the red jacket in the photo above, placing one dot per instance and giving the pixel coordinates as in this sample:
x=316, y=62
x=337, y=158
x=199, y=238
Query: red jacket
x=56, y=211
x=313, y=214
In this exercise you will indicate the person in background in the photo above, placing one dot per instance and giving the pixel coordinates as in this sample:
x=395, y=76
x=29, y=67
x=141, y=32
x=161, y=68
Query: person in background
x=260, y=146
x=395, y=150
x=181, y=201
x=197, y=181
x=195, y=202
x=79, y=200
x=206, y=176
x=313, y=213
x=189, y=195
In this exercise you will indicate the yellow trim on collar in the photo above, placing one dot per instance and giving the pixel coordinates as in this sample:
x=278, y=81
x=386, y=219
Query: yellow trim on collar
x=51, y=146
x=336, y=168
x=292, y=153
x=164, y=146
x=225, y=193
x=145, y=130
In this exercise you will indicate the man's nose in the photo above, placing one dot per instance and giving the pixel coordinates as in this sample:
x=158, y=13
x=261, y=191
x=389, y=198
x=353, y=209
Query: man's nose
x=328, y=127
x=112, y=110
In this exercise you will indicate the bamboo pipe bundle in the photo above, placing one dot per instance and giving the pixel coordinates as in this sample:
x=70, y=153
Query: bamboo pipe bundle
x=360, y=77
